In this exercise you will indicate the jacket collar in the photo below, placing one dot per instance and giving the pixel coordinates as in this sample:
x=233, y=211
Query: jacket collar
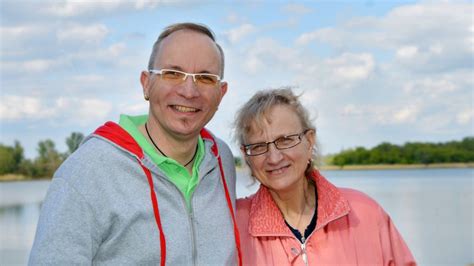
x=267, y=220
x=116, y=134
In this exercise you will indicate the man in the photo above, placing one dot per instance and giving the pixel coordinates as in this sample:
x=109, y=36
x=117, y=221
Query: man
x=156, y=188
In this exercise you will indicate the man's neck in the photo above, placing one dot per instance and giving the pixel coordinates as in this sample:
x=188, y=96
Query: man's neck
x=181, y=150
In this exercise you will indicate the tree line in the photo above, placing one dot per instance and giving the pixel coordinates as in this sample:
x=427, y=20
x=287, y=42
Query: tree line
x=409, y=153
x=44, y=165
x=48, y=159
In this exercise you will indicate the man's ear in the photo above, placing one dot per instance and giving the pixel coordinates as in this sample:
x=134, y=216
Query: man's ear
x=223, y=89
x=145, y=81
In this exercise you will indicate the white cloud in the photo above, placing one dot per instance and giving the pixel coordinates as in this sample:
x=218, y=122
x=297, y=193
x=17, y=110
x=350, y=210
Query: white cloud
x=115, y=49
x=72, y=8
x=297, y=9
x=432, y=87
x=324, y=34
x=426, y=36
x=15, y=108
x=92, y=78
x=232, y=18
x=265, y=52
x=236, y=34
x=383, y=114
x=38, y=65
x=235, y=18
x=94, y=33
x=407, y=52
x=90, y=110
x=29, y=66
x=407, y=114
x=12, y=33
x=17, y=40
x=465, y=117
x=352, y=66
x=72, y=110
x=352, y=110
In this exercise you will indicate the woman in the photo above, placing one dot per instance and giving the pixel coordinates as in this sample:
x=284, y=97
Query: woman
x=297, y=217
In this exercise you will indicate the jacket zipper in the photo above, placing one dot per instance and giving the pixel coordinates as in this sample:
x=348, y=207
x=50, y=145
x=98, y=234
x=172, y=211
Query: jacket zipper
x=304, y=256
x=191, y=219
x=193, y=231
x=190, y=213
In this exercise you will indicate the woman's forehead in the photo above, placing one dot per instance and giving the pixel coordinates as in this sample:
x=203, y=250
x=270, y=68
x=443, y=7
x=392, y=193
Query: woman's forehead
x=279, y=119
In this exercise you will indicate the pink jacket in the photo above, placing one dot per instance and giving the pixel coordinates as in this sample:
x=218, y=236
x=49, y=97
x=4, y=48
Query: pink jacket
x=351, y=229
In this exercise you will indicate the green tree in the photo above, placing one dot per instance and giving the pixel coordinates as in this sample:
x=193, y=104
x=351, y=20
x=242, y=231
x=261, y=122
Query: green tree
x=7, y=163
x=11, y=158
x=18, y=155
x=409, y=153
x=48, y=160
x=238, y=161
x=73, y=142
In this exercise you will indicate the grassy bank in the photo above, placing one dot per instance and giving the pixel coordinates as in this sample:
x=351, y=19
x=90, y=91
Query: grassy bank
x=397, y=166
x=14, y=177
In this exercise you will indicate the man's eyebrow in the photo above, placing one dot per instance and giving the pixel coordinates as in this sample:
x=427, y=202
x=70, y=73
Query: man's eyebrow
x=175, y=67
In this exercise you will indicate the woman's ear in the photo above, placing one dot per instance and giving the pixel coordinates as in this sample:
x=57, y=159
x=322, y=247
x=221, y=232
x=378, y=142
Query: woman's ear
x=311, y=135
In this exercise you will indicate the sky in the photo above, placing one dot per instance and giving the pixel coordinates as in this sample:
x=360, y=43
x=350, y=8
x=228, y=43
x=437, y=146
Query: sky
x=367, y=71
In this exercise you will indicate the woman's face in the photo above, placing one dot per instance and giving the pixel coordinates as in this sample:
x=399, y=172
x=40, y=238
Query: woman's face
x=280, y=170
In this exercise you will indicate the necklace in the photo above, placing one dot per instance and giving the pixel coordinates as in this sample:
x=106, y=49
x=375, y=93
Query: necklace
x=156, y=146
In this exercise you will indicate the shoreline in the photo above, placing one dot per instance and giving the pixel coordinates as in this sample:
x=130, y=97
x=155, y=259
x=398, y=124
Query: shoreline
x=396, y=166
x=387, y=166
x=15, y=177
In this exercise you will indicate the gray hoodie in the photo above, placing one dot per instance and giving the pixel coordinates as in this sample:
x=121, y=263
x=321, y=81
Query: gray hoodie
x=98, y=209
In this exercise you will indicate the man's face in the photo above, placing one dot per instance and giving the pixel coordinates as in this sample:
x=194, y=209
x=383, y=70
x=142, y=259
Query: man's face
x=182, y=110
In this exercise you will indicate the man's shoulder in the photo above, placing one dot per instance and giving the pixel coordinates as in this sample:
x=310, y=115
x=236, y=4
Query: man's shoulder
x=93, y=148
x=93, y=156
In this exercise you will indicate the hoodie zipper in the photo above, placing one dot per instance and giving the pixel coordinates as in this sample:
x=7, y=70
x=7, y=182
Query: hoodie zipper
x=193, y=229
x=190, y=219
x=190, y=216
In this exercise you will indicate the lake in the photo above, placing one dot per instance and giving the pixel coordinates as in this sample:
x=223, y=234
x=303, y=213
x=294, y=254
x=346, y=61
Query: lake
x=432, y=209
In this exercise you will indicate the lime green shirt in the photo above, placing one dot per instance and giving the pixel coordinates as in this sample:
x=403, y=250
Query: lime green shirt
x=175, y=172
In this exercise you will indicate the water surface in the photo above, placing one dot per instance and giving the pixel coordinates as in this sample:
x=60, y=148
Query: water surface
x=432, y=209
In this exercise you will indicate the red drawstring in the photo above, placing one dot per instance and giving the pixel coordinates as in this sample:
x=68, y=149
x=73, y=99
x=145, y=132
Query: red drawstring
x=227, y=197
x=156, y=211
x=119, y=136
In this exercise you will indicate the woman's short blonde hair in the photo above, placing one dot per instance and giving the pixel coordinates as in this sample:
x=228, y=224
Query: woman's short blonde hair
x=254, y=112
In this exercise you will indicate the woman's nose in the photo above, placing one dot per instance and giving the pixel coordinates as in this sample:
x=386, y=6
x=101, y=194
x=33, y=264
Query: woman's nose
x=274, y=155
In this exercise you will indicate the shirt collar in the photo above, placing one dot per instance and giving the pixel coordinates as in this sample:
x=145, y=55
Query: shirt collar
x=267, y=220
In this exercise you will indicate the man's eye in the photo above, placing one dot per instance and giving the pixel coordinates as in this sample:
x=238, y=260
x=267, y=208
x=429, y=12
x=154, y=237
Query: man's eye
x=172, y=75
x=206, y=79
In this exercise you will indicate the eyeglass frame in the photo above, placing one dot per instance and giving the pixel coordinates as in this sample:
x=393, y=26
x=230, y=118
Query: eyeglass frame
x=186, y=74
x=245, y=146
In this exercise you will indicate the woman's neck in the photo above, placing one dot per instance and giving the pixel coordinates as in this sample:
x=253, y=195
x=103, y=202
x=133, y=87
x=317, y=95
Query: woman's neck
x=297, y=205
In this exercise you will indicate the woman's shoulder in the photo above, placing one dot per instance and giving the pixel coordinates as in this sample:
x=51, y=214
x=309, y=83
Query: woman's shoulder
x=359, y=200
x=243, y=206
x=244, y=203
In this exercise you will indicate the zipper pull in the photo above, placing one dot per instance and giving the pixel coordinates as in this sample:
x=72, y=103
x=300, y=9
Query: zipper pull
x=304, y=256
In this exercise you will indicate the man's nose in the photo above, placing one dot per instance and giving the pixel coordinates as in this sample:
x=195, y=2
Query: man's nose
x=188, y=87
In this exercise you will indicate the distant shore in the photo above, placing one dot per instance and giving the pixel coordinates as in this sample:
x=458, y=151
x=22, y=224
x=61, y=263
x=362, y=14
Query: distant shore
x=397, y=166
x=391, y=166
x=15, y=177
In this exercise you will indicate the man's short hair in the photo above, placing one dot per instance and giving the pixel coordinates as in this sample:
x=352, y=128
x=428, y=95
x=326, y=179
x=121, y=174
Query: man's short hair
x=200, y=28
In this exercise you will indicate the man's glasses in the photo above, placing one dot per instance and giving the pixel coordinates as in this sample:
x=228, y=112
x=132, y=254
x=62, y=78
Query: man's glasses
x=175, y=77
x=281, y=143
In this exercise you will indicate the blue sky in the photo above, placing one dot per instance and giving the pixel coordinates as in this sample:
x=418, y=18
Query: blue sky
x=369, y=71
